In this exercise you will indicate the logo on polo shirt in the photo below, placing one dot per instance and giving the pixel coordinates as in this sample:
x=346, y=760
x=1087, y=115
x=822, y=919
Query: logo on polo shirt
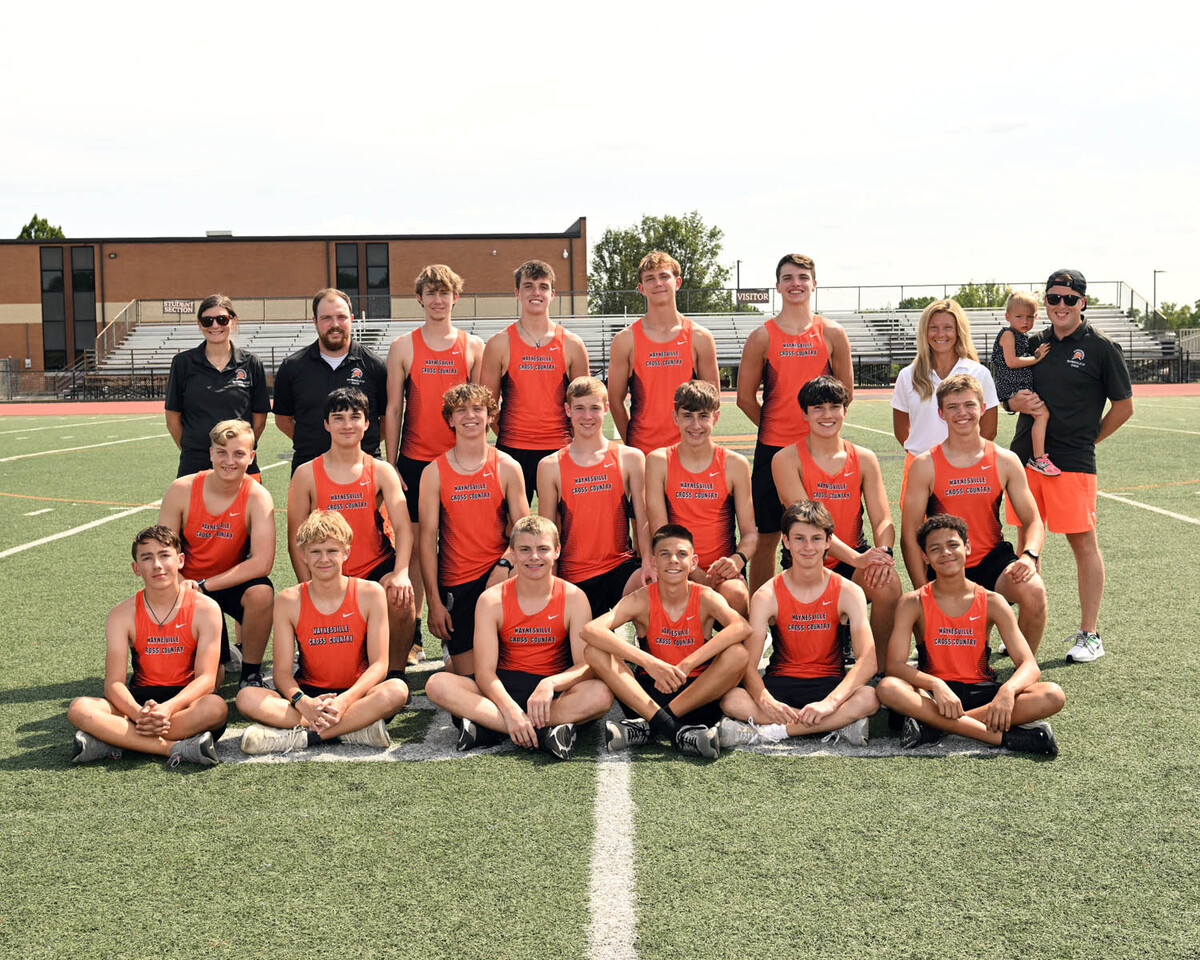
x=1077, y=360
x=1077, y=355
x=356, y=375
x=241, y=379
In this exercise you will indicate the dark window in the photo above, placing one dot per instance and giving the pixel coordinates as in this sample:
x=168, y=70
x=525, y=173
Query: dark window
x=54, y=309
x=378, y=289
x=347, y=267
x=83, y=297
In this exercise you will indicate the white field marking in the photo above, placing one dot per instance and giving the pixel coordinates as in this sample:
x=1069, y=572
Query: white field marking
x=859, y=426
x=1146, y=506
x=612, y=930
x=88, y=526
x=1139, y=426
x=90, y=446
x=34, y=513
x=76, y=426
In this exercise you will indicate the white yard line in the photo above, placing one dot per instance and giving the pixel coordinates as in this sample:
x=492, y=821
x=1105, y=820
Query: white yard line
x=34, y=513
x=859, y=426
x=73, y=426
x=90, y=446
x=612, y=931
x=1146, y=506
x=1140, y=426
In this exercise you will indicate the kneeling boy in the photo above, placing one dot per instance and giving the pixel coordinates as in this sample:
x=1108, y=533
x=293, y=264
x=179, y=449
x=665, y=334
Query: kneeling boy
x=173, y=636
x=683, y=668
x=340, y=625
x=530, y=679
x=805, y=689
x=953, y=690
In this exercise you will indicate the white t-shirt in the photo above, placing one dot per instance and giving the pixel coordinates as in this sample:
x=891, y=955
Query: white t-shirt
x=925, y=428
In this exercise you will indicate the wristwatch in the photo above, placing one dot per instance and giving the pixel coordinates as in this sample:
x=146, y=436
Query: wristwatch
x=200, y=585
x=1037, y=557
x=296, y=697
x=502, y=562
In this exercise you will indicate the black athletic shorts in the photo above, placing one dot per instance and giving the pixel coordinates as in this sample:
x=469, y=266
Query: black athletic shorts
x=460, y=600
x=706, y=714
x=310, y=691
x=410, y=471
x=520, y=685
x=768, y=511
x=605, y=590
x=800, y=691
x=528, y=460
x=381, y=569
x=974, y=695
x=161, y=695
x=987, y=571
x=229, y=599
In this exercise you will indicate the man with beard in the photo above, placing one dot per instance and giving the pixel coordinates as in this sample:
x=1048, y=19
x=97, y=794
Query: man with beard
x=308, y=376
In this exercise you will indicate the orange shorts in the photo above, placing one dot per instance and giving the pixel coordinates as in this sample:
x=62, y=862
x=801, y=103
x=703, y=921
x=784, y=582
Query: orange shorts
x=1066, y=503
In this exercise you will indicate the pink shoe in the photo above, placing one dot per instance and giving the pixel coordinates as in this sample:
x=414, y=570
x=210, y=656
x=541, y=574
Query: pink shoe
x=1043, y=465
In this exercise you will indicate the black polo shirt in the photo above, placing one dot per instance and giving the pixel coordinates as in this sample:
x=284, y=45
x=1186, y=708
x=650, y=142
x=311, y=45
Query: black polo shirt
x=303, y=383
x=203, y=396
x=1080, y=373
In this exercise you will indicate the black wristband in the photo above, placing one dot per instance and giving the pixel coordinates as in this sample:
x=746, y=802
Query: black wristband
x=200, y=586
x=507, y=565
x=888, y=551
x=745, y=562
x=296, y=697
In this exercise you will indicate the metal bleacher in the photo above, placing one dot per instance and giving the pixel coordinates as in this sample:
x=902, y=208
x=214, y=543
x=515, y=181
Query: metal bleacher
x=884, y=337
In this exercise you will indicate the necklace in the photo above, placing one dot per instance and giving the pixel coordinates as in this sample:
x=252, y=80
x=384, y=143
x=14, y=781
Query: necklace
x=459, y=464
x=167, y=615
x=537, y=341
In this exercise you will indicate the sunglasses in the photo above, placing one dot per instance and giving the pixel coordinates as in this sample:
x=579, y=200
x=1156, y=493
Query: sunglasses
x=1054, y=299
x=223, y=320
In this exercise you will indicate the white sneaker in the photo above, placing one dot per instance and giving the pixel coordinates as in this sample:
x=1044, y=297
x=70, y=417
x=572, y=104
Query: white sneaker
x=736, y=733
x=1085, y=647
x=1002, y=650
x=259, y=738
x=372, y=735
x=854, y=733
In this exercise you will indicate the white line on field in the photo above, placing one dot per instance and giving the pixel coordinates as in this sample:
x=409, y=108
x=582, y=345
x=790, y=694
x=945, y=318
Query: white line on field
x=1140, y=426
x=72, y=426
x=34, y=513
x=1146, y=506
x=95, y=523
x=859, y=426
x=90, y=446
x=612, y=931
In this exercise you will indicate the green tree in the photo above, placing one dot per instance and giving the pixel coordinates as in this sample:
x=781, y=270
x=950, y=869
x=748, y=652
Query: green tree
x=39, y=228
x=989, y=294
x=613, y=279
x=1177, y=317
x=915, y=303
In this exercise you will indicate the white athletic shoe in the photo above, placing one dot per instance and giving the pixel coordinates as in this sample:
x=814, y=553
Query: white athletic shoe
x=259, y=738
x=854, y=733
x=372, y=735
x=86, y=748
x=735, y=733
x=1002, y=650
x=1085, y=647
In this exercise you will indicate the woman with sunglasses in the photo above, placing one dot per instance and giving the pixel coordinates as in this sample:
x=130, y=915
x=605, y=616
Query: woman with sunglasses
x=211, y=382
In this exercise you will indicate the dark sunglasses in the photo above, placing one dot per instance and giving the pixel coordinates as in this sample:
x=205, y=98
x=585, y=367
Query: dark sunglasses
x=1054, y=299
x=223, y=320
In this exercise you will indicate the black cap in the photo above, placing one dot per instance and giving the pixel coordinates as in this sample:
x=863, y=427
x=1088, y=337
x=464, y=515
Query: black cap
x=1068, y=278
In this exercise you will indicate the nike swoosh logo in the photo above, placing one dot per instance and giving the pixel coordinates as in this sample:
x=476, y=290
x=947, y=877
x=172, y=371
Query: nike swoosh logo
x=715, y=473
x=826, y=603
x=973, y=618
x=350, y=614
x=551, y=618
x=180, y=625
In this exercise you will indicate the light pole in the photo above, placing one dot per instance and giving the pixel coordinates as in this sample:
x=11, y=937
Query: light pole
x=738, y=283
x=1154, y=296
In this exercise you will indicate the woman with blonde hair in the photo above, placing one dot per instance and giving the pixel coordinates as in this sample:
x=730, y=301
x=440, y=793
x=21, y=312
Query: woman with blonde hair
x=943, y=348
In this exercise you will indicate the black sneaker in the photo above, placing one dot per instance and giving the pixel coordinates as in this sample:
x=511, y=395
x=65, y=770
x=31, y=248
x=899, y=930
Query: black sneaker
x=698, y=739
x=917, y=734
x=468, y=735
x=627, y=733
x=558, y=740
x=1036, y=737
x=252, y=679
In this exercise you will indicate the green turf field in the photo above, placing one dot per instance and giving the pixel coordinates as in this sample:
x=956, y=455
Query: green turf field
x=813, y=853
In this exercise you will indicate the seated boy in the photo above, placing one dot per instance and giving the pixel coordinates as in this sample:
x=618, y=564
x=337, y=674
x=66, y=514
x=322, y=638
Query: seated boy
x=530, y=679
x=173, y=636
x=952, y=689
x=806, y=689
x=340, y=625
x=683, y=667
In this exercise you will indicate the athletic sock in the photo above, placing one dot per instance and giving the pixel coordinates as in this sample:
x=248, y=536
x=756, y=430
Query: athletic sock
x=395, y=675
x=664, y=725
x=314, y=739
x=417, y=631
x=249, y=668
x=773, y=731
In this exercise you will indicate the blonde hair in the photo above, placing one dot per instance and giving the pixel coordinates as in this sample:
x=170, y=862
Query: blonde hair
x=959, y=383
x=534, y=524
x=463, y=393
x=656, y=259
x=923, y=364
x=438, y=276
x=586, y=387
x=226, y=430
x=324, y=525
x=1018, y=297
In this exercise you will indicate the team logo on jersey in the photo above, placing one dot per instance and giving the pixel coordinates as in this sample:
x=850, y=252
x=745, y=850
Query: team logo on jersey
x=1077, y=361
x=356, y=375
x=1077, y=355
x=240, y=379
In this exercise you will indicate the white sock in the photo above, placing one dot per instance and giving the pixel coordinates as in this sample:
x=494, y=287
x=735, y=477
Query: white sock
x=773, y=731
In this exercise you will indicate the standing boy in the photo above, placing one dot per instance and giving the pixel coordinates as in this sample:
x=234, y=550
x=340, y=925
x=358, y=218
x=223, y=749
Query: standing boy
x=654, y=355
x=531, y=681
x=781, y=356
x=173, y=636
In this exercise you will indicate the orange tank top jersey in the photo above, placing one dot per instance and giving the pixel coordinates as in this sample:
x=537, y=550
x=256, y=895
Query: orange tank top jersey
x=333, y=646
x=973, y=493
x=595, y=517
x=472, y=521
x=357, y=503
x=672, y=640
x=841, y=493
x=213, y=544
x=703, y=503
x=658, y=368
x=164, y=656
x=426, y=435
x=532, y=393
x=955, y=648
x=805, y=635
x=791, y=361
x=534, y=642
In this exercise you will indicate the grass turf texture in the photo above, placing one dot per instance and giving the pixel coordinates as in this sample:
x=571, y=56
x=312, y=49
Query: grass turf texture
x=976, y=855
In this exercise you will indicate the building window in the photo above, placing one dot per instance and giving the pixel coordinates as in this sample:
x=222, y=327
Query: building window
x=83, y=298
x=54, y=309
x=378, y=289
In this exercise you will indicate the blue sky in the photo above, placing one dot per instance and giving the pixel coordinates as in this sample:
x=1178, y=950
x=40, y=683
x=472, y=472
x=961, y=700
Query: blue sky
x=923, y=143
